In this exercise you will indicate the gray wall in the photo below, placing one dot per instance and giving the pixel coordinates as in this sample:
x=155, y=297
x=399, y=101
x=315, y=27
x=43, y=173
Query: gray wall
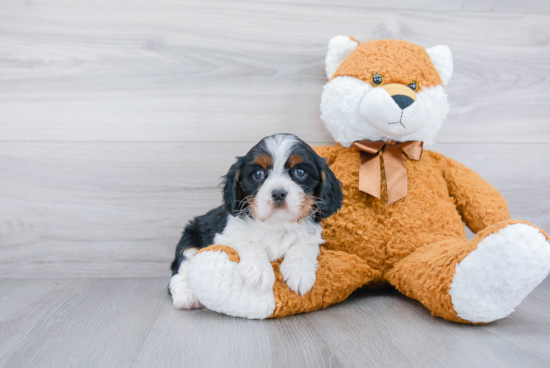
x=118, y=118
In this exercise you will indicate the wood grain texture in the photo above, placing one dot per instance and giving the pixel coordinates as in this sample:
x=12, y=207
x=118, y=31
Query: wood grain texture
x=117, y=209
x=496, y=6
x=132, y=323
x=186, y=71
x=78, y=323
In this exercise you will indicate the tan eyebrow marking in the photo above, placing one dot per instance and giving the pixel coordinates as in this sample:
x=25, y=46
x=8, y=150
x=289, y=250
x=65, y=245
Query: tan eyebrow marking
x=294, y=160
x=264, y=160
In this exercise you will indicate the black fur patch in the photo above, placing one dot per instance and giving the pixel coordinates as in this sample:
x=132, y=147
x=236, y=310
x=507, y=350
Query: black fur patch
x=200, y=233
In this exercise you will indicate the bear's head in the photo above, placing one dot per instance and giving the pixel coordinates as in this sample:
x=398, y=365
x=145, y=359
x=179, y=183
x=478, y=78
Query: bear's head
x=385, y=90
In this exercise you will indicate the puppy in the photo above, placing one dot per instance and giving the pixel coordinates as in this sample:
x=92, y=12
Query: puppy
x=274, y=199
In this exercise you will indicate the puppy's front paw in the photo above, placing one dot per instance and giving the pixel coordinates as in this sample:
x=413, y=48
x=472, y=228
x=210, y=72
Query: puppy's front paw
x=184, y=299
x=257, y=274
x=299, y=276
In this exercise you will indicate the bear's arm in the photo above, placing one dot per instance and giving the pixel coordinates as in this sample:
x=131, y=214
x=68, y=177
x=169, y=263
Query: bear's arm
x=479, y=203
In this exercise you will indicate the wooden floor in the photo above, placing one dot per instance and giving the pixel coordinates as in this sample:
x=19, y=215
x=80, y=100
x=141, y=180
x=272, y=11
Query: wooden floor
x=123, y=322
x=117, y=119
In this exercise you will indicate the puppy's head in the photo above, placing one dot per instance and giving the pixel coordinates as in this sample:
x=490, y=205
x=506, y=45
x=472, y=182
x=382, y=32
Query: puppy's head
x=281, y=179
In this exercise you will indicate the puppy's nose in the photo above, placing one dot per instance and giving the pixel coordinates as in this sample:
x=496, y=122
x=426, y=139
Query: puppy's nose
x=402, y=101
x=278, y=195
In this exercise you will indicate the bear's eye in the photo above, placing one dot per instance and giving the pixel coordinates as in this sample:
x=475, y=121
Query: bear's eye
x=413, y=86
x=377, y=79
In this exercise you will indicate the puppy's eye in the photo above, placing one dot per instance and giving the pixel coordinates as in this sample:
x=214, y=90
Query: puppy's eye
x=413, y=86
x=377, y=79
x=258, y=175
x=300, y=173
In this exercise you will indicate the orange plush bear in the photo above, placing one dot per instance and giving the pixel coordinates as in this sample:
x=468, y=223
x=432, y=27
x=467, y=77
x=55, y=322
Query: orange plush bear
x=404, y=211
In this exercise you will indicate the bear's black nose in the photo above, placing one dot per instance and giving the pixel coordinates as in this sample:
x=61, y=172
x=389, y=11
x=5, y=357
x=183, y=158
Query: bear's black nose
x=278, y=195
x=402, y=101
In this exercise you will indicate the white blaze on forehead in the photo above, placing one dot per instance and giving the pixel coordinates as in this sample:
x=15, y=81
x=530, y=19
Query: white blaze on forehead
x=280, y=147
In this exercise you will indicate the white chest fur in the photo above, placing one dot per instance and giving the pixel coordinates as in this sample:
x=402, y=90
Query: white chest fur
x=275, y=237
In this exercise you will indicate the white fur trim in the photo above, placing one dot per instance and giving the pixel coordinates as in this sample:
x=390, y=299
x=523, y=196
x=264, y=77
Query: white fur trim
x=443, y=61
x=349, y=115
x=493, y=279
x=339, y=48
x=215, y=280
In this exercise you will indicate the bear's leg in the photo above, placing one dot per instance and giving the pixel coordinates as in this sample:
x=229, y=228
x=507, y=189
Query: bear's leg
x=215, y=280
x=478, y=281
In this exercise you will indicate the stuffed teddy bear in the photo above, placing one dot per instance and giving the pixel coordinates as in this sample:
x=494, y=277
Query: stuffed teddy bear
x=404, y=211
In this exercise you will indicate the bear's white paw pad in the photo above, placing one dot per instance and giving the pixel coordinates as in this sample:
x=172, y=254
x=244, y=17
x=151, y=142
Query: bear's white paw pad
x=493, y=279
x=299, y=276
x=184, y=299
x=216, y=281
x=257, y=274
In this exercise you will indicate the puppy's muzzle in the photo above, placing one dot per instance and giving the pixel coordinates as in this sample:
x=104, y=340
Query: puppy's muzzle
x=279, y=197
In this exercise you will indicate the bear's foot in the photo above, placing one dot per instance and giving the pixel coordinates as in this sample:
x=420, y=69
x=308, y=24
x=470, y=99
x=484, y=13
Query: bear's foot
x=493, y=279
x=216, y=280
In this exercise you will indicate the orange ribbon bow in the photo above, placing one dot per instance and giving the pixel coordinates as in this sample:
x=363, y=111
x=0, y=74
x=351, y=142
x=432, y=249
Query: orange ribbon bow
x=396, y=172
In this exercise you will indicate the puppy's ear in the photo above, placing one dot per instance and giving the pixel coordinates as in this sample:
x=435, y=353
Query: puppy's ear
x=232, y=192
x=329, y=193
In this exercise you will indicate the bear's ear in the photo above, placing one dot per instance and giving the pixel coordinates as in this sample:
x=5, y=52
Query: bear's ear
x=443, y=61
x=339, y=48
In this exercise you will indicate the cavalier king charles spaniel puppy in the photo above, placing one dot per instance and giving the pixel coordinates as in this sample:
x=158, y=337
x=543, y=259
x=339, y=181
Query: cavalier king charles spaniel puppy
x=274, y=199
